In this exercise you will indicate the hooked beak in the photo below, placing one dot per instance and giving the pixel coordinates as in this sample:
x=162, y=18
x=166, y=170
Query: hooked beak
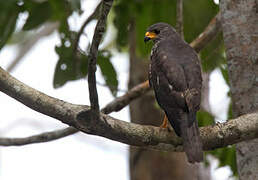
x=146, y=39
x=149, y=36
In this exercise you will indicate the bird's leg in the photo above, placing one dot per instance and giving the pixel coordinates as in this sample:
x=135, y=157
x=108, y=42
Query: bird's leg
x=164, y=123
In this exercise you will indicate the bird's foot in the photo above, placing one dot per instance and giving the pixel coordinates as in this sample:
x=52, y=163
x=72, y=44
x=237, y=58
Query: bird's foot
x=164, y=123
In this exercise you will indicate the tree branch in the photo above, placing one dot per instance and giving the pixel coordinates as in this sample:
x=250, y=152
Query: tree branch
x=78, y=116
x=90, y=18
x=179, y=18
x=24, y=47
x=115, y=105
x=43, y=137
x=210, y=32
x=99, y=31
x=122, y=101
x=200, y=42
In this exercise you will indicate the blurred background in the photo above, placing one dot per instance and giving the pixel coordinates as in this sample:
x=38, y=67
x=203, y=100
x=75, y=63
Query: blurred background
x=45, y=44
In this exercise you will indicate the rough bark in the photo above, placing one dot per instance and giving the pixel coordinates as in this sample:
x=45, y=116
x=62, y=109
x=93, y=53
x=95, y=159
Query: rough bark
x=240, y=30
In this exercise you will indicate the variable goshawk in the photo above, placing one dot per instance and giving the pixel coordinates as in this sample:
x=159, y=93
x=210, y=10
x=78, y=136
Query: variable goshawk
x=175, y=75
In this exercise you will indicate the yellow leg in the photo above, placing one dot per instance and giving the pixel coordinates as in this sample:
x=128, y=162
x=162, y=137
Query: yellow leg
x=165, y=122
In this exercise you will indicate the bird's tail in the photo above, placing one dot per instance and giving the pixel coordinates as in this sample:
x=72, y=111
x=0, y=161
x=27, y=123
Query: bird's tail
x=191, y=138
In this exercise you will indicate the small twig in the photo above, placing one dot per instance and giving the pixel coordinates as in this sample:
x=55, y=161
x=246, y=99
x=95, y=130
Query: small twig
x=43, y=137
x=99, y=31
x=179, y=18
x=122, y=101
x=89, y=19
x=27, y=45
x=106, y=85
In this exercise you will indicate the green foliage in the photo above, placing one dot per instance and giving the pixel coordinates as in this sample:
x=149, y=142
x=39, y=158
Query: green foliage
x=212, y=55
x=108, y=71
x=71, y=65
x=9, y=11
x=38, y=14
x=197, y=15
x=224, y=72
x=227, y=157
x=204, y=118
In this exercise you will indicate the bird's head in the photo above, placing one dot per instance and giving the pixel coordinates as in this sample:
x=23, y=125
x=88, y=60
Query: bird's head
x=158, y=31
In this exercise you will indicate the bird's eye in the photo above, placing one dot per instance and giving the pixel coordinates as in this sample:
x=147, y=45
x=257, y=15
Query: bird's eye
x=156, y=31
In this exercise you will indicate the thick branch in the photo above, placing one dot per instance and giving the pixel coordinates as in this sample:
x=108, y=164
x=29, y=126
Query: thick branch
x=98, y=34
x=78, y=116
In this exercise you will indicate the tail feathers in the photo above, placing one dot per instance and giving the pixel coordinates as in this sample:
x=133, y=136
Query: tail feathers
x=191, y=140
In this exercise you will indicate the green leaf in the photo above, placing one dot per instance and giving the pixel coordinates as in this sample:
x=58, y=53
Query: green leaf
x=108, y=71
x=9, y=11
x=204, y=118
x=224, y=71
x=71, y=65
x=38, y=14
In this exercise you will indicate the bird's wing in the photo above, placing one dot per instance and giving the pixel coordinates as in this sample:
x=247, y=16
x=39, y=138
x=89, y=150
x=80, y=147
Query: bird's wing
x=175, y=83
x=193, y=76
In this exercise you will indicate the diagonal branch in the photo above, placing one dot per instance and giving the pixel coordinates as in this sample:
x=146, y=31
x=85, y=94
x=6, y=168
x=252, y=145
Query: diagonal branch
x=43, y=137
x=210, y=32
x=200, y=42
x=115, y=105
x=79, y=116
x=99, y=31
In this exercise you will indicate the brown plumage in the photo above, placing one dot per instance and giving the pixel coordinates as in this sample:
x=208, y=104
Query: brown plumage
x=175, y=75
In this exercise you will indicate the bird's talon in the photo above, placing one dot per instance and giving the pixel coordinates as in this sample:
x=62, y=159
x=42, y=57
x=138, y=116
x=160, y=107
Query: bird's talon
x=164, y=123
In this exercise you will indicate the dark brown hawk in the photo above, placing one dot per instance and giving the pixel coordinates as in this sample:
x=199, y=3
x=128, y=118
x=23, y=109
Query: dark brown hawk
x=175, y=75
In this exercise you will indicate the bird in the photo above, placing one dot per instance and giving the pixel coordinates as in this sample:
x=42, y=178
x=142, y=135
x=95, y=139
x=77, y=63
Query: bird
x=176, y=77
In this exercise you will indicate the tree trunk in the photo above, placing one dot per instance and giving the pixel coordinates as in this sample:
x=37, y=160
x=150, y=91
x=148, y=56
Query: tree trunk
x=240, y=31
x=147, y=164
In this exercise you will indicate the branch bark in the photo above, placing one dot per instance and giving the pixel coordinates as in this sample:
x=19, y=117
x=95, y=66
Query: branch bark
x=116, y=105
x=98, y=34
x=43, y=137
x=89, y=19
x=179, y=18
x=78, y=116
